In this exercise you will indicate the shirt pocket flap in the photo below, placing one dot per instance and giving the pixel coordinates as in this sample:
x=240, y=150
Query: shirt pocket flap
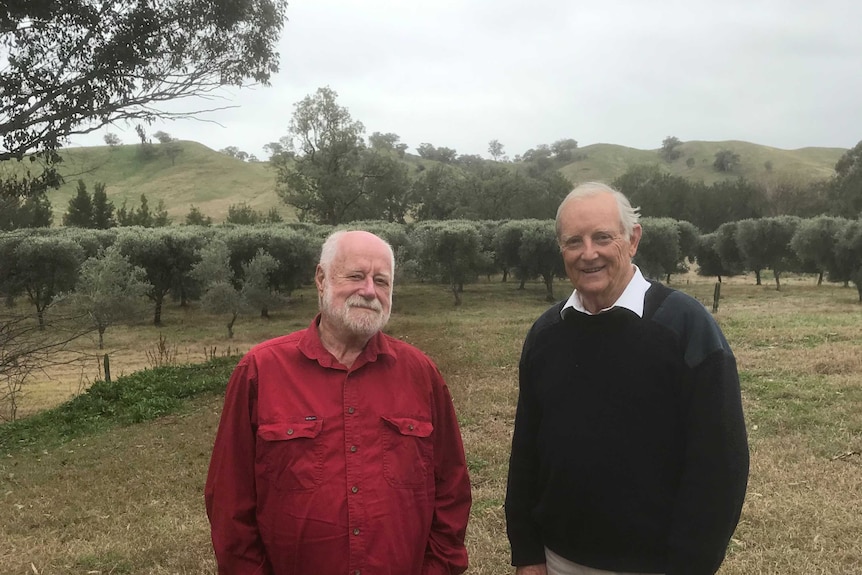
x=284, y=431
x=410, y=426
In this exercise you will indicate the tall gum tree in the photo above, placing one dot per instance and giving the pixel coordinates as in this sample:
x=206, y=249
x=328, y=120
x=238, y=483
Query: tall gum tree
x=324, y=181
x=75, y=66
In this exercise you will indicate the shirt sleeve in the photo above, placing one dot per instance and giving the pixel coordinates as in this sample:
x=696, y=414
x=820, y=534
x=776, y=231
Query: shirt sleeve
x=713, y=485
x=446, y=552
x=229, y=493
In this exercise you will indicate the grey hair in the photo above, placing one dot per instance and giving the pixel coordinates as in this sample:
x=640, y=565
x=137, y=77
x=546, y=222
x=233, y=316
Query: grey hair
x=330, y=249
x=629, y=216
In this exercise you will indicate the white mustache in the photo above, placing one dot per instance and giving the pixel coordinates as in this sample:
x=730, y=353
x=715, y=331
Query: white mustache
x=358, y=301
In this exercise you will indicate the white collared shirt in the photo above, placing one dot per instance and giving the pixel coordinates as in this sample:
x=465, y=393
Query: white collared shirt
x=632, y=297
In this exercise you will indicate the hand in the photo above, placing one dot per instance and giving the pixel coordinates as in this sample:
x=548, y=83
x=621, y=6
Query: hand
x=539, y=569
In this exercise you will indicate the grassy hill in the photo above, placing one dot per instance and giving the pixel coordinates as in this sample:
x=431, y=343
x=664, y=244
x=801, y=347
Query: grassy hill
x=213, y=181
x=197, y=176
x=607, y=161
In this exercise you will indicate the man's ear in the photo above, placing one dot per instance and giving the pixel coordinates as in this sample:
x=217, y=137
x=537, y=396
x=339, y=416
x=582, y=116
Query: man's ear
x=635, y=239
x=318, y=278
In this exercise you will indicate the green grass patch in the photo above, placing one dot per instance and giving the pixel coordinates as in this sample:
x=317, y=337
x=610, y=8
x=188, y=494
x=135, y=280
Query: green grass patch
x=108, y=562
x=135, y=398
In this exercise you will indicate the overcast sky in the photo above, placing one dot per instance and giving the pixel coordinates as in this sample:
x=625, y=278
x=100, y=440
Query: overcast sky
x=782, y=73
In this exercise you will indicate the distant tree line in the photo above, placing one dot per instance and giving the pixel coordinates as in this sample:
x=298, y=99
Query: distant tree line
x=329, y=175
x=234, y=270
x=659, y=194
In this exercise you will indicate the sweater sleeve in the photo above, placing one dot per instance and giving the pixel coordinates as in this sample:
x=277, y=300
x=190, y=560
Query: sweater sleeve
x=524, y=533
x=229, y=493
x=716, y=458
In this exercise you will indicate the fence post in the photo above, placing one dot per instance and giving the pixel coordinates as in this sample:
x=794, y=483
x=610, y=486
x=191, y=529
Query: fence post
x=716, y=295
x=107, y=364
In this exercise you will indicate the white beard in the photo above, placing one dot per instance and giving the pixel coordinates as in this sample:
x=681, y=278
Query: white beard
x=360, y=323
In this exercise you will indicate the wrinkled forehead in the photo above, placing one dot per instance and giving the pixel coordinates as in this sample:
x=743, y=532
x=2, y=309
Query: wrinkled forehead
x=366, y=256
x=591, y=213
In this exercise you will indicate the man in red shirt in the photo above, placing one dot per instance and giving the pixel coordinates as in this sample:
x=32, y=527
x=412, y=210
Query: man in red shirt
x=338, y=450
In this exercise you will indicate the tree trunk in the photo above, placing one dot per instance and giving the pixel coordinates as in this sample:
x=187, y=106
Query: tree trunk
x=549, y=288
x=777, y=280
x=457, y=294
x=757, y=275
x=157, y=314
x=230, y=326
x=820, y=278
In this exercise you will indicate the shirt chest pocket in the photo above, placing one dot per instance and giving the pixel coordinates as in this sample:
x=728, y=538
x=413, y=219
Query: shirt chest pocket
x=407, y=451
x=290, y=453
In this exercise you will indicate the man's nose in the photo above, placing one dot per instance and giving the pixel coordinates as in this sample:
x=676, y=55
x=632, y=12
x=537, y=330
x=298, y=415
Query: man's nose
x=366, y=288
x=589, y=252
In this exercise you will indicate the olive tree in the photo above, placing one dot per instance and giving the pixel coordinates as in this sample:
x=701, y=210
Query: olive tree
x=109, y=290
x=45, y=267
x=224, y=293
x=814, y=245
x=167, y=257
x=728, y=249
x=539, y=254
x=449, y=252
x=848, y=252
x=765, y=243
x=709, y=262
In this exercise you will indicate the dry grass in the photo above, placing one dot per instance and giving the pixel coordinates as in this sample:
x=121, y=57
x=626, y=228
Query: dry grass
x=131, y=501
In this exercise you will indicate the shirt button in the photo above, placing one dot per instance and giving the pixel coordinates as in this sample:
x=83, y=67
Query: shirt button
x=352, y=449
x=410, y=427
x=354, y=489
x=290, y=432
x=357, y=572
x=350, y=410
x=356, y=531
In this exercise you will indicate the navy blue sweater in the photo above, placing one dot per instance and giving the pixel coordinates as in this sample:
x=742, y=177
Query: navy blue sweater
x=629, y=451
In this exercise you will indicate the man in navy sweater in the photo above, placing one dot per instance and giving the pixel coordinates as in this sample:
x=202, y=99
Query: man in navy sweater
x=629, y=454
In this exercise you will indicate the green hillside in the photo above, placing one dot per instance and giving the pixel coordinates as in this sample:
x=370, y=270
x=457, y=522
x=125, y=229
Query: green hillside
x=212, y=181
x=607, y=161
x=197, y=176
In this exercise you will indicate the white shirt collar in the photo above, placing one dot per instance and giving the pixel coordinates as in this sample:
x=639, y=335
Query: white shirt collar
x=632, y=297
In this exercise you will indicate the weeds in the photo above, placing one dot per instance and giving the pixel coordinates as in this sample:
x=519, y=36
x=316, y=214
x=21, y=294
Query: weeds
x=162, y=354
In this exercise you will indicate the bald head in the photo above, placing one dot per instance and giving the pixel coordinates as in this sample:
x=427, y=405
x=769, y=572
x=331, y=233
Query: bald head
x=353, y=241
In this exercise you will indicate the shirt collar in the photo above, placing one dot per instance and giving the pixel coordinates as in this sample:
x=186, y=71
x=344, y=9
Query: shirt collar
x=632, y=297
x=311, y=346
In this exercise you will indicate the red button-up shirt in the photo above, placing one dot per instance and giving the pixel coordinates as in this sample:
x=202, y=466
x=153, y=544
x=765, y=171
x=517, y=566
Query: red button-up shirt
x=322, y=470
